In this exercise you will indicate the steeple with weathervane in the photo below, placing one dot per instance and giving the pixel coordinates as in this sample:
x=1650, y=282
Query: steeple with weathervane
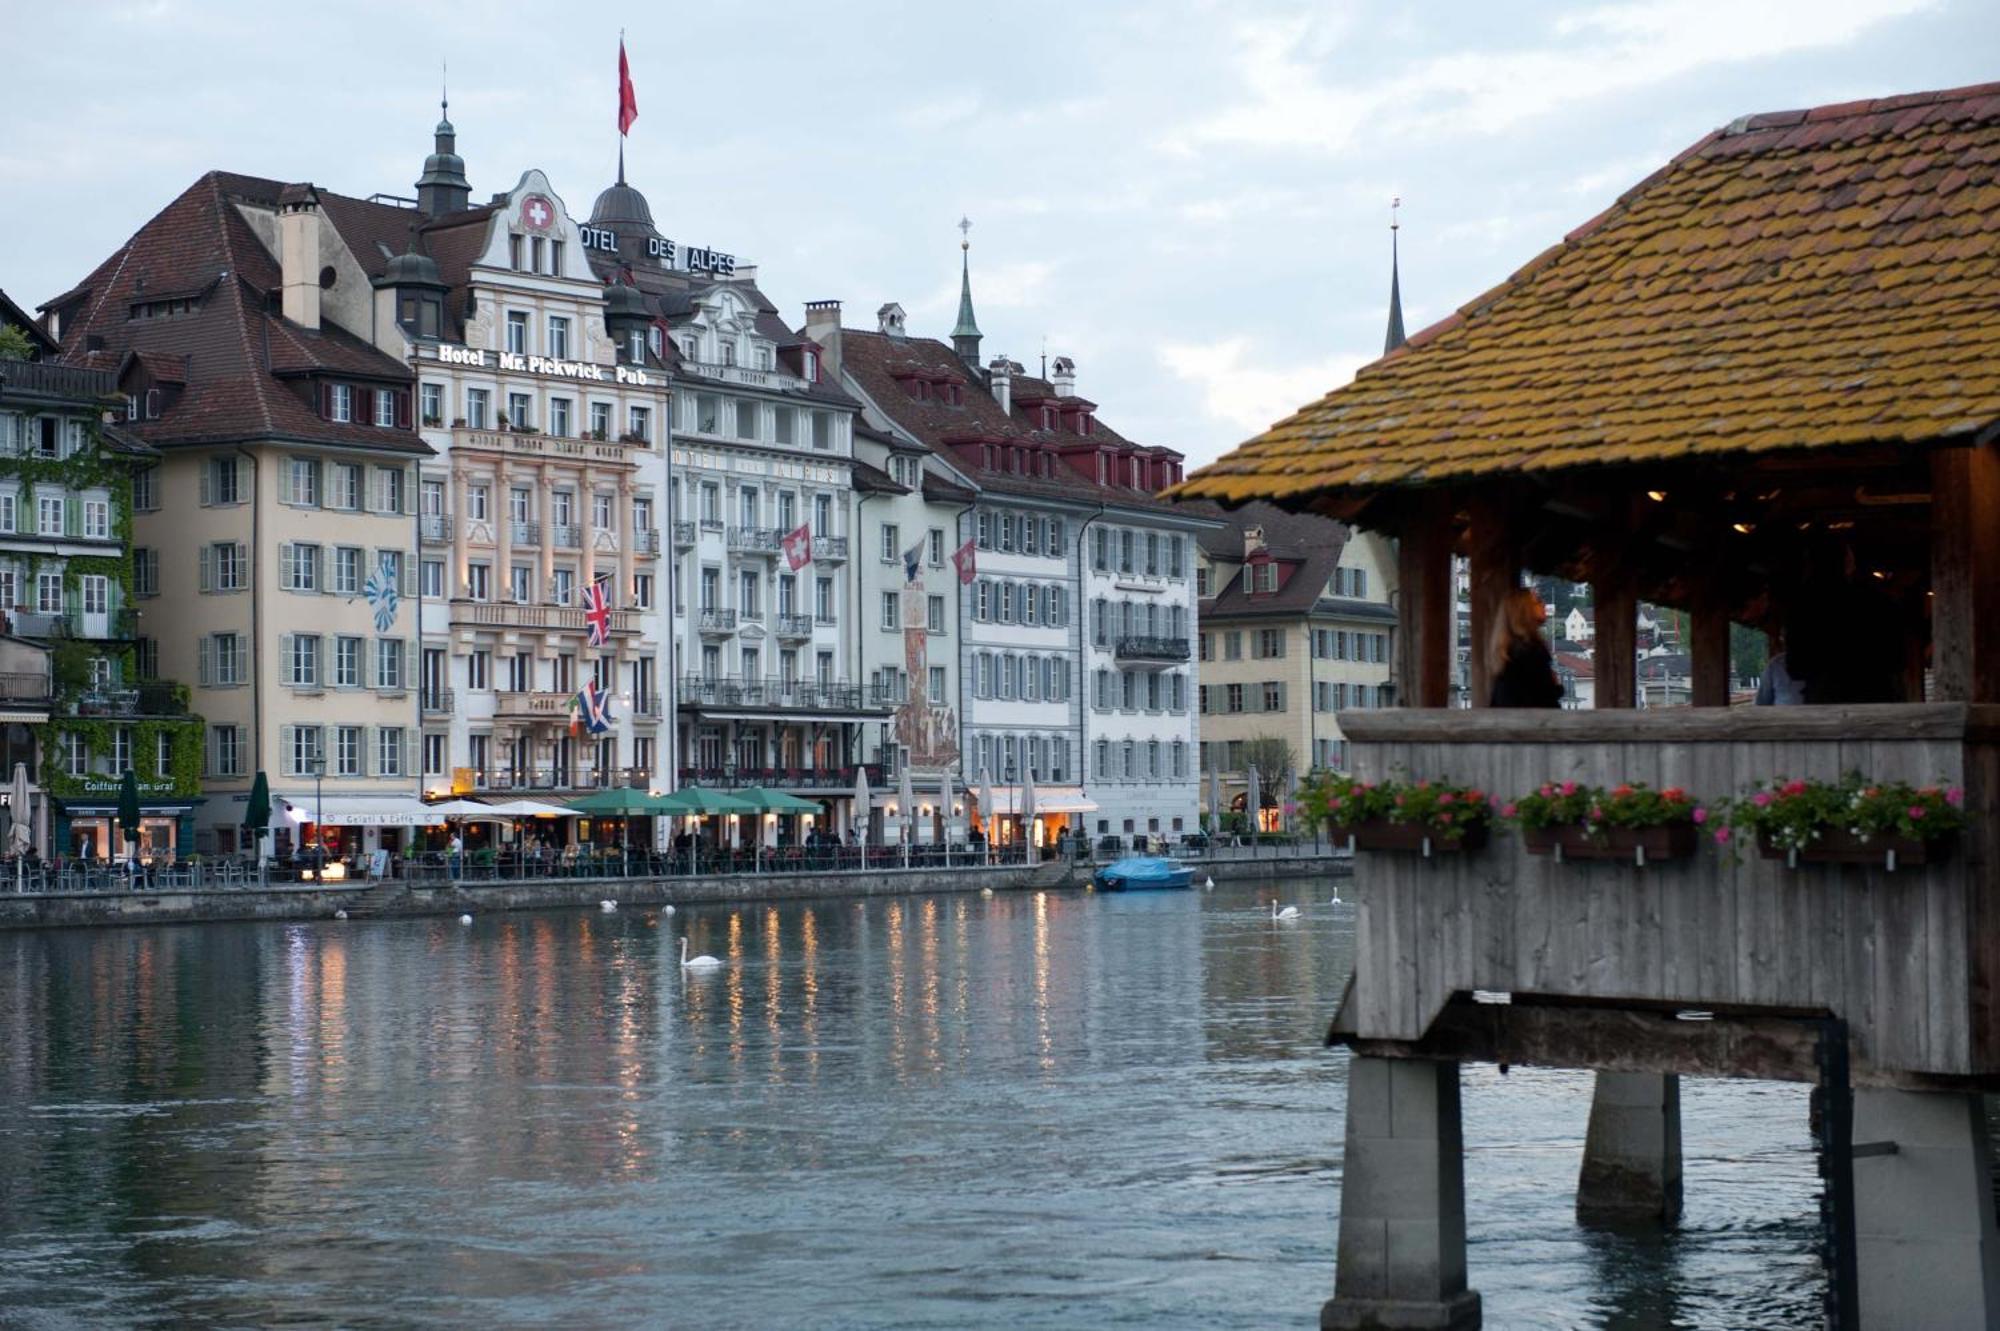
x=1395, y=336
x=443, y=187
x=965, y=336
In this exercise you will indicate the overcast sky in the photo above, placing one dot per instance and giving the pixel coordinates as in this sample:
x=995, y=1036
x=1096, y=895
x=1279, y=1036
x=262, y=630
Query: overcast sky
x=1189, y=199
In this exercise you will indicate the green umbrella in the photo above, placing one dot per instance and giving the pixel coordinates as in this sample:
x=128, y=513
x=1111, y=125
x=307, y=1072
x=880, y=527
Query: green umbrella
x=695, y=799
x=766, y=800
x=257, y=813
x=128, y=806
x=620, y=801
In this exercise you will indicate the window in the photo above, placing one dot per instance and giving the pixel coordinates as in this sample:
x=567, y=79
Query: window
x=562, y=586
x=1232, y=645
x=892, y=610
x=936, y=685
x=1233, y=699
x=479, y=670
x=431, y=579
x=340, y=402
x=640, y=424
x=520, y=673
x=430, y=399
x=477, y=501
x=478, y=581
x=225, y=750
x=746, y=419
x=890, y=543
x=1269, y=645
x=520, y=411
x=822, y=422
x=478, y=406
x=1274, y=696
x=298, y=567
x=223, y=660
x=936, y=550
x=782, y=421
x=600, y=420
x=391, y=484
x=434, y=755
x=823, y=600
x=385, y=409
x=9, y=510
x=558, y=337
x=145, y=573
x=389, y=751
x=298, y=483
x=642, y=591
x=388, y=663
x=96, y=520
x=219, y=482
x=346, y=751
x=747, y=602
x=49, y=515
x=96, y=590
x=347, y=663
x=302, y=661
x=225, y=567
x=346, y=570
x=934, y=616
x=517, y=332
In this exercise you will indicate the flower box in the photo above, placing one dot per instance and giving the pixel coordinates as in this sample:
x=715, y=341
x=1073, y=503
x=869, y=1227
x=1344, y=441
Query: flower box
x=1641, y=845
x=1837, y=845
x=1381, y=834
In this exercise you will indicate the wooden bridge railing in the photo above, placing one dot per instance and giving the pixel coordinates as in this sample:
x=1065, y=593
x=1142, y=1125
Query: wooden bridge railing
x=1910, y=959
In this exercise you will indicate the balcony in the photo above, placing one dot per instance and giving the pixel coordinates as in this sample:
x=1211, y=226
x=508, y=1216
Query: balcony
x=580, y=777
x=566, y=536
x=755, y=540
x=1143, y=650
x=436, y=701
x=61, y=383
x=787, y=778
x=25, y=686
x=716, y=623
x=515, y=615
x=792, y=626
x=546, y=447
x=647, y=542
x=153, y=698
x=434, y=528
x=775, y=695
x=683, y=535
x=524, y=533
x=830, y=549
x=539, y=705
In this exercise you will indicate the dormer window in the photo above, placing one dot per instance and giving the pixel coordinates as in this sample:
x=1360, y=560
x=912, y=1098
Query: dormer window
x=340, y=402
x=636, y=346
x=657, y=340
x=763, y=358
x=811, y=366
x=728, y=353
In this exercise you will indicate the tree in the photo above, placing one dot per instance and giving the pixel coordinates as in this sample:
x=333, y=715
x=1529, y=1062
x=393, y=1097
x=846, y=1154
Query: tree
x=1272, y=756
x=14, y=344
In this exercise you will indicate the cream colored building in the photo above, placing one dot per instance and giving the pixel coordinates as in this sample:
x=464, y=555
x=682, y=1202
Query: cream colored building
x=1296, y=624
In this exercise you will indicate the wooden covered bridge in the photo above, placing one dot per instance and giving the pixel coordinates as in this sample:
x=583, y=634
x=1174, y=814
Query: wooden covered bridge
x=1764, y=385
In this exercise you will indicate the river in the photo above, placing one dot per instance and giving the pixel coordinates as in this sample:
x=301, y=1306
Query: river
x=1033, y=1110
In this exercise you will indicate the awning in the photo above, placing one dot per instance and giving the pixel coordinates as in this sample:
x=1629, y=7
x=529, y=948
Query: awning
x=740, y=714
x=357, y=810
x=147, y=808
x=1048, y=799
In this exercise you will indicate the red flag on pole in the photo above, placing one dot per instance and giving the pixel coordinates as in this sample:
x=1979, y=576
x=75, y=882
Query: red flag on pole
x=628, y=101
x=966, y=560
x=798, y=545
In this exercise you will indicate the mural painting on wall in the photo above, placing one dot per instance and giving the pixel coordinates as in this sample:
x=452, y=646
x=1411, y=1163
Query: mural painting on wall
x=927, y=731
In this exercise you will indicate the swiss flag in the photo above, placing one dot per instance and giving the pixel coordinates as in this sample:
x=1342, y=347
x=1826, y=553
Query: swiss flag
x=798, y=547
x=966, y=560
x=628, y=100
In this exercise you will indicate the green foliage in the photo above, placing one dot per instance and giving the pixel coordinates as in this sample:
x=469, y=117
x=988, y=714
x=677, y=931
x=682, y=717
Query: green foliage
x=1793, y=814
x=1749, y=649
x=1445, y=811
x=1597, y=810
x=15, y=344
x=184, y=760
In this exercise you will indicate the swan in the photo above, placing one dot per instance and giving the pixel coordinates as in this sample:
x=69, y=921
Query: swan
x=465, y=919
x=1209, y=885
x=340, y=915
x=1288, y=913
x=700, y=963
x=1336, y=899
x=985, y=891
x=667, y=909
x=607, y=905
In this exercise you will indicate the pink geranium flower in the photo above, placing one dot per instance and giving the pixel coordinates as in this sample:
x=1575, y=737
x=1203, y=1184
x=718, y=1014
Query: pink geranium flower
x=1954, y=797
x=1569, y=787
x=1916, y=812
x=1507, y=812
x=1701, y=815
x=1721, y=836
x=1761, y=799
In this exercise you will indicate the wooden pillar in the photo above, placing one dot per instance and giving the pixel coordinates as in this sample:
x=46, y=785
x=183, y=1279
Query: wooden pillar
x=1428, y=619
x=1495, y=572
x=1965, y=574
x=1708, y=631
x=1616, y=651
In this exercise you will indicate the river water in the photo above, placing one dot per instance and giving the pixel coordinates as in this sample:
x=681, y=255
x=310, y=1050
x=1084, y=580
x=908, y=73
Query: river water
x=1036, y=1110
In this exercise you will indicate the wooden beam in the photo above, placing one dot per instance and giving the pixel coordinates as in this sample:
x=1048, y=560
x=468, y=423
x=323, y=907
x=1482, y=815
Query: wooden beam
x=1428, y=623
x=1615, y=593
x=1495, y=572
x=1965, y=574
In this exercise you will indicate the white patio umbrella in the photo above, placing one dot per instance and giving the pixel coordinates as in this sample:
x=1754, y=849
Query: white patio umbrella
x=1253, y=800
x=944, y=809
x=986, y=810
x=861, y=807
x=471, y=810
x=21, y=836
x=906, y=804
x=1028, y=810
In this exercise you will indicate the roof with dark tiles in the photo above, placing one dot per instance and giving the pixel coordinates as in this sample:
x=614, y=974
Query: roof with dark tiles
x=1307, y=547
x=1798, y=280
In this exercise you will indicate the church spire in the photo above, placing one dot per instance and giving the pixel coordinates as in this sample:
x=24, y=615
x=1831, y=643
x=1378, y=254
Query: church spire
x=443, y=187
x=1395, y=336
x=965, y=337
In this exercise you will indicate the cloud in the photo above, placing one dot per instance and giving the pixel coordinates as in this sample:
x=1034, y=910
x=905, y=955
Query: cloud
x=1243, y=390
x=1587, y=55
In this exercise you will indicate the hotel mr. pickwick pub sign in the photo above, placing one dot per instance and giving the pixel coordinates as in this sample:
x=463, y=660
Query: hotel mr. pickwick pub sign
x=561, y=369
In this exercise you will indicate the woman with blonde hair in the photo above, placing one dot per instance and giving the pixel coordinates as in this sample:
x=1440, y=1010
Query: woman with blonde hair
x=1517, y=656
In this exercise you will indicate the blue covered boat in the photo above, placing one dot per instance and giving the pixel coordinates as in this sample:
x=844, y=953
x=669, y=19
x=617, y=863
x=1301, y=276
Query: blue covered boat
x=1143, y=873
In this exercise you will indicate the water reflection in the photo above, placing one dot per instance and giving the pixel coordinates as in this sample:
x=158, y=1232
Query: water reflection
x=1049, y=1109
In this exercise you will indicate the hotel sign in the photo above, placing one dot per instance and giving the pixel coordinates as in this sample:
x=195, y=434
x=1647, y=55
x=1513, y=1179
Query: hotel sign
x=695, y=259
x=548, y=365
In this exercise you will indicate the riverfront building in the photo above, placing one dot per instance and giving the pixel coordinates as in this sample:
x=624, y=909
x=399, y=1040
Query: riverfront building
x=1075, y=636
x=1297, y=625
x=81, y=699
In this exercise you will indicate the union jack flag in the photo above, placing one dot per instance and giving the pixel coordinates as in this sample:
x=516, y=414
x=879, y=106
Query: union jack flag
x=591, y=709
x=597, y=612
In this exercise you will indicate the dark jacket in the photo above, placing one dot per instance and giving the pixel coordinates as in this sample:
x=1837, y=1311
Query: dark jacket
x=1529, y=678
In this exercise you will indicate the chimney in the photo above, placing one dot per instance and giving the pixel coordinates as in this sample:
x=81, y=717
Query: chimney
x=1253, y=541
x=1000, y=379
x=298, y=253
x=823, y=327
x=1062, y=377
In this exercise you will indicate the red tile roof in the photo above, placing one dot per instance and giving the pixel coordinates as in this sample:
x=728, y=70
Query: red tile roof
x=1807, y=279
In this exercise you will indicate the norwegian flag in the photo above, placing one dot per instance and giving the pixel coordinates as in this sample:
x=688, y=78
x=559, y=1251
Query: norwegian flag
x=798, y=547
x=966, y=560
x=597, y=612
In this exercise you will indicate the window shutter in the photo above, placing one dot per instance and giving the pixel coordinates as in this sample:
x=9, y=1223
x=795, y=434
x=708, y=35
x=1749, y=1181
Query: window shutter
x=207, y=482
x=324, y=580
x=403, y=409
x=286, y=739
x=285, y=657
x=287, y=565
x=207, y=562
x=205, y=669
x=243, y=569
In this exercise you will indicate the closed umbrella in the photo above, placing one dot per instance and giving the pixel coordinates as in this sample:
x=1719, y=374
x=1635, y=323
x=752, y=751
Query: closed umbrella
x=986, y=809
x=944, y=811
x=1253, y=800
x=1214, y=801
x=128, y=812
x=861, y=807
x=257, y=813
x=1028, y=812
x=906, y=801
x=21, y=836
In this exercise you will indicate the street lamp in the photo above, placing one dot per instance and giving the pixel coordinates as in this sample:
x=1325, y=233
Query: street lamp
x=319, y=823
